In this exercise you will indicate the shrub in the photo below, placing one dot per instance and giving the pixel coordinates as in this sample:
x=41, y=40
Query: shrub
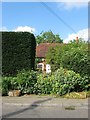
x=18, y=52
x=8, y=83
x=77, y=59
x=71, y=56
x=43, y=85
x=26, y=81
x=59, y=86
x=85, y=83
x=62, y=81
x=66, y=81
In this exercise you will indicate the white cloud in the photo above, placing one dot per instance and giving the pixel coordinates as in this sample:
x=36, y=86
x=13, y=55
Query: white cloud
x=19, y=29
x=24, y=29
x=76, y=5
x=80, y=34
x=3, y=29
x=70, y=5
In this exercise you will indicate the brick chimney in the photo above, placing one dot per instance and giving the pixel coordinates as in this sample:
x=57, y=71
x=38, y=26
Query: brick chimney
x=76, y=39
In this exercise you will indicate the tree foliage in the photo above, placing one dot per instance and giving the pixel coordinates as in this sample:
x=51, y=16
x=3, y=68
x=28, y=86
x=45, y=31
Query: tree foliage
x=48, y=36
x=73, y=56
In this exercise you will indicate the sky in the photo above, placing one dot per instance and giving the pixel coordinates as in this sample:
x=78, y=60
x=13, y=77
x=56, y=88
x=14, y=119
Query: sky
x=68, y=19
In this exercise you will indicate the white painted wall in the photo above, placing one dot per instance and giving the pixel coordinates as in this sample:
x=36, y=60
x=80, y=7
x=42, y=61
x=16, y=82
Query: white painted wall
x=48, y=68
x=41, y=66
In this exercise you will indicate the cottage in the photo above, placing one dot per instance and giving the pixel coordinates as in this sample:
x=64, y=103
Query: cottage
x=41, y=51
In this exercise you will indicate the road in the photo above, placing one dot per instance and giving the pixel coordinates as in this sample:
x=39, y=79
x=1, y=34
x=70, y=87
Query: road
x=16, y=111
x=44, y=107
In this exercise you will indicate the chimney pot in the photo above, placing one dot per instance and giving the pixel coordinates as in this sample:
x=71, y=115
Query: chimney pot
x=77, y=39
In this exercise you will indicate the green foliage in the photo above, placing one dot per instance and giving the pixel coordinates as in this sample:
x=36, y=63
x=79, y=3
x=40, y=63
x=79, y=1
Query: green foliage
x=77, y=59
x=48, y=37
x=18, y=52
x=85, y=83
x=52, y=57
x=55, y=54
x=9, y=83
x=5, y=86
x=43, y=85
x=26, y=81
x=62, y=81
x=66, y=81
x=73, y=56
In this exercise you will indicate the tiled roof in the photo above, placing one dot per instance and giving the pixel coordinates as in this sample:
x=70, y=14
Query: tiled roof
x=42, y=48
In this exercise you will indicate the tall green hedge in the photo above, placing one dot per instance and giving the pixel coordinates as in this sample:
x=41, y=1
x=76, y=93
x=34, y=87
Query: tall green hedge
x=72, y=56
x=18, y=52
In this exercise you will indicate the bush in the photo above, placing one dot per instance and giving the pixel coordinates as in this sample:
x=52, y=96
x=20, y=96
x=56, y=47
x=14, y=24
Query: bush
x=8, y=83
x=71, y=56
x=62, y=81
x=85, y=83
x=60, y=85
x=43, y=85
x=77, y=59
x=18, y=52
x=66, y=81
x=26, y=81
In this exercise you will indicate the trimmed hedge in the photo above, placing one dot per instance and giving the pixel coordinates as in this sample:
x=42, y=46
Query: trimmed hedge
x=18, y=52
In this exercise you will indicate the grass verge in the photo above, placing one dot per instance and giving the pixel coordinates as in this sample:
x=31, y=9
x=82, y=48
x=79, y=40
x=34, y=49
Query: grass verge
x=77, y=95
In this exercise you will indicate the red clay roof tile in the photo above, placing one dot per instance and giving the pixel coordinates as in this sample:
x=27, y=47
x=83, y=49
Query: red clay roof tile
x=42, y=48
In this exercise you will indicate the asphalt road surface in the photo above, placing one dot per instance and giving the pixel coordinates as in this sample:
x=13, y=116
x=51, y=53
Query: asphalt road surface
x=44, y=107
x=25, y=111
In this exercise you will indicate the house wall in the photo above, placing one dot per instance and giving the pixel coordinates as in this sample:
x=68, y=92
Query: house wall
x=44, y=67
x=48, y=68
x=40, y=66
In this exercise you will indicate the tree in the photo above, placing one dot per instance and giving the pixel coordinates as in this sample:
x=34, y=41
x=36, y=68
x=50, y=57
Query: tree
x=48, y=36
